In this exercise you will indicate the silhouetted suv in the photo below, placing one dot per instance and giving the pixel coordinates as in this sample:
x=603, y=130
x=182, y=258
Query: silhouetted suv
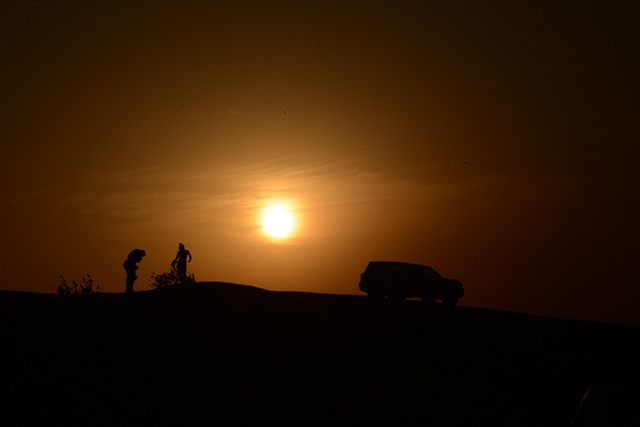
x=405, y=280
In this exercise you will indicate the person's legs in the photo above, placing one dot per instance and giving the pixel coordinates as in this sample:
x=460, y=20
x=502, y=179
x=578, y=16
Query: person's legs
x=182, y=272
x=130, y=279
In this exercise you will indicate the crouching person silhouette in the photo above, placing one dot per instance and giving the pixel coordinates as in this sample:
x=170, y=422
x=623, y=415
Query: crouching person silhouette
x=180, y=263
x=135, y=256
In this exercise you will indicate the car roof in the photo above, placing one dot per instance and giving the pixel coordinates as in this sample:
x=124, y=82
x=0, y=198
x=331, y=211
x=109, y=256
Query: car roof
x=398, y=263
x=403, y=264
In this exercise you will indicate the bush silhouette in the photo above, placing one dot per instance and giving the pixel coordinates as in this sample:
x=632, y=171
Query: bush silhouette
x=169, y=278
x=86, y=287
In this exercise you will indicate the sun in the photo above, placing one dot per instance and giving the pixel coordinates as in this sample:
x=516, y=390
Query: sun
x=278, y=222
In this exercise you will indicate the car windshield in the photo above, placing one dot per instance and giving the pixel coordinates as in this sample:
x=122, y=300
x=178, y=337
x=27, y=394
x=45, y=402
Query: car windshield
x=428, y=271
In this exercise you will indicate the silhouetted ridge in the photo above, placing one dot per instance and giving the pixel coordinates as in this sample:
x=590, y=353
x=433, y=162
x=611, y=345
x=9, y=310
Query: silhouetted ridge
x=223, y=353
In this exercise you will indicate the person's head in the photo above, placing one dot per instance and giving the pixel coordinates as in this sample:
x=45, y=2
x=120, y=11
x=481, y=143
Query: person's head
x=136, y=255
x=181, y=246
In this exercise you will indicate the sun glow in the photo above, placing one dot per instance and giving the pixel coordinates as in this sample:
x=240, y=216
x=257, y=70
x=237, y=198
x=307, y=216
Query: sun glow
x=278, y=222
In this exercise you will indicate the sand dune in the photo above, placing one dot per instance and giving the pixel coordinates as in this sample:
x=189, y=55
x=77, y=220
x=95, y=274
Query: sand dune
x=220, y=353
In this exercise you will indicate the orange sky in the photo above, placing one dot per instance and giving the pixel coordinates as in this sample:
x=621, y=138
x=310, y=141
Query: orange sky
x=496, y=142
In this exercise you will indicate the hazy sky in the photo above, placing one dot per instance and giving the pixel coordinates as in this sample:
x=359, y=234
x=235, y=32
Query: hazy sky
x=497, y=142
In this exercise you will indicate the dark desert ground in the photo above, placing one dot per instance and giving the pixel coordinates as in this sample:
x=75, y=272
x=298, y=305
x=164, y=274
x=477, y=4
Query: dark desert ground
x=226, y=354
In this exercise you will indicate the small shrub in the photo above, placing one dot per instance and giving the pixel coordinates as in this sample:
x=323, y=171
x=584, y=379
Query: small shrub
x=169, y=278
x=85, y=287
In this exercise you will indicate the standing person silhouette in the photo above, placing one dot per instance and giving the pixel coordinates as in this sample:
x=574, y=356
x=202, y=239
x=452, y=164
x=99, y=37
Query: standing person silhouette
x=135, y=256
x=181, y=262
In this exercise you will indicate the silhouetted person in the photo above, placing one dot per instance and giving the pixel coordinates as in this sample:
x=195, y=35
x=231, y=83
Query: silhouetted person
x=135, y=256
x=180, y=262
